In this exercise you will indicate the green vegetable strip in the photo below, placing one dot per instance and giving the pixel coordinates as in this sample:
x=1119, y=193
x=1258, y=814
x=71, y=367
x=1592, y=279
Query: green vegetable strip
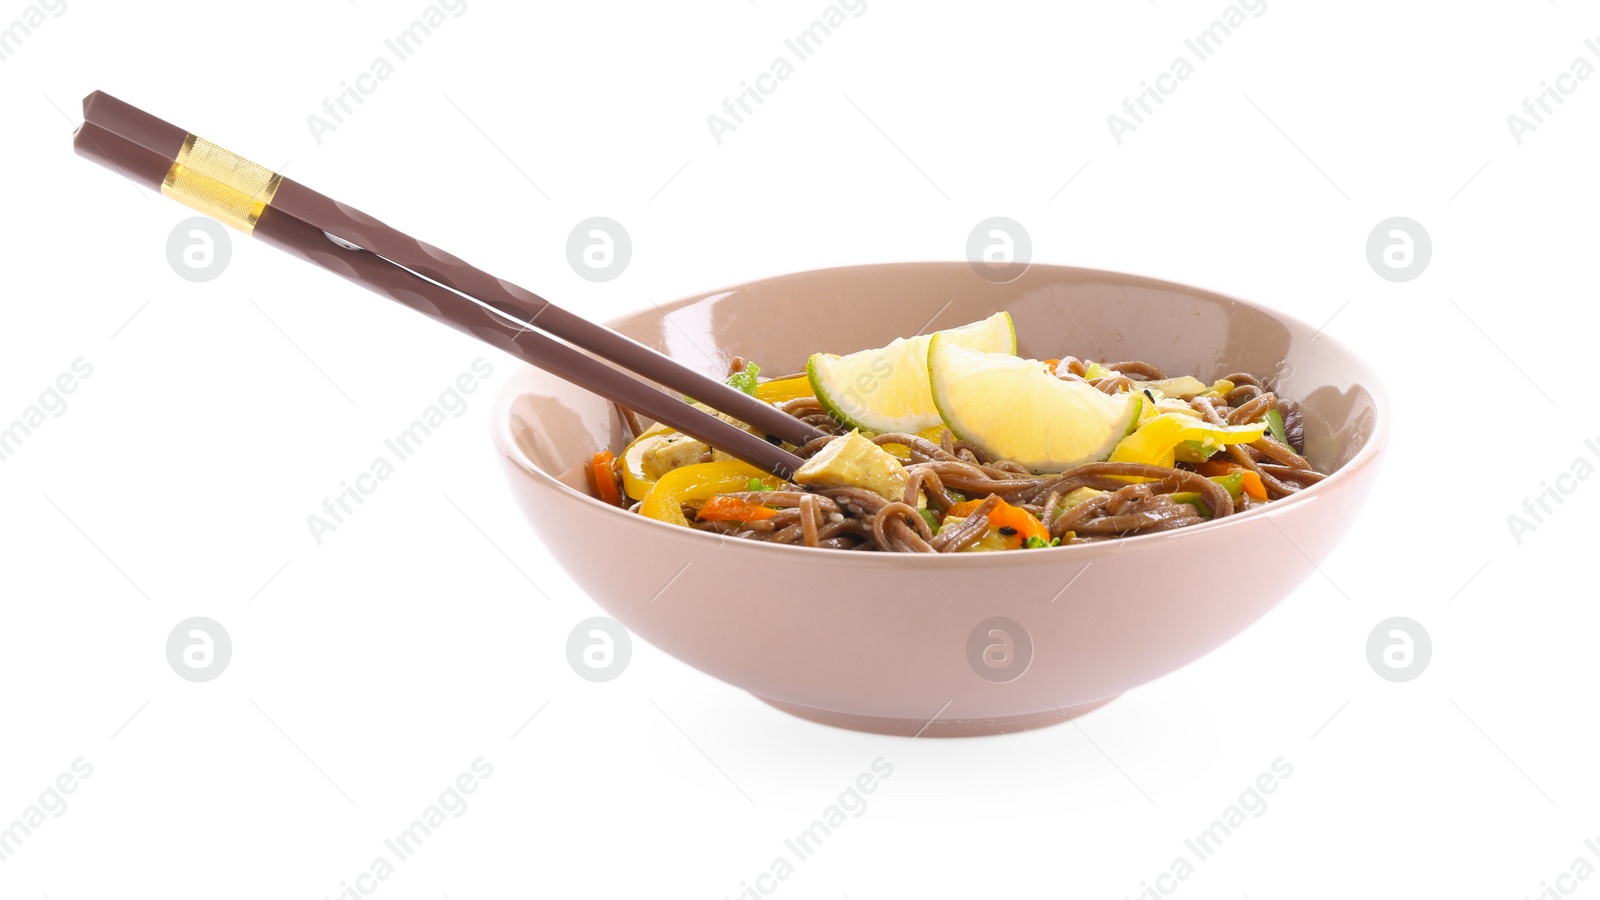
x=745, y=379
x=1234, y=484
x=1275, y=425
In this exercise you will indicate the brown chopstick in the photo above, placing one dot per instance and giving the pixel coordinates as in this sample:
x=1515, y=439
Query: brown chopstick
x=445, y=288
x=462, y=313
x=366, y=232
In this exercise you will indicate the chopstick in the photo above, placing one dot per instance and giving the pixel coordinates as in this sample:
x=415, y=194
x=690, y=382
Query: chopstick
x=376, y=256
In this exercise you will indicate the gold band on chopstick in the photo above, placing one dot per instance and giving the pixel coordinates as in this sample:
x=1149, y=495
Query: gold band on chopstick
x=220, y=183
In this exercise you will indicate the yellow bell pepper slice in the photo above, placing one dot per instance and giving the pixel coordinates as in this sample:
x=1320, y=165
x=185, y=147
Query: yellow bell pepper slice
x=1156, y=442
x=636, y=482
x=784, y=390
x=700, y=481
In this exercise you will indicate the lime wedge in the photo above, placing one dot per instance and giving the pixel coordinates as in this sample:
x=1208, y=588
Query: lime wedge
x=1014, y=409
x=886, y=389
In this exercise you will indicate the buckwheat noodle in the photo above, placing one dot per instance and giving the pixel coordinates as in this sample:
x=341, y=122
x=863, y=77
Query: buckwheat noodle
x=853, y=518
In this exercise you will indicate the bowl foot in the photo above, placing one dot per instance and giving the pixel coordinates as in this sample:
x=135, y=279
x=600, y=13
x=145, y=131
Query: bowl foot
x=947, y=727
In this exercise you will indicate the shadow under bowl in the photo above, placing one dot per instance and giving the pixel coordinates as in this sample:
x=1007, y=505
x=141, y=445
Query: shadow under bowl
x=947, y=644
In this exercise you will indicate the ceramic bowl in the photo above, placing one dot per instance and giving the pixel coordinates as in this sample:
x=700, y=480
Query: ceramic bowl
x=947, y=644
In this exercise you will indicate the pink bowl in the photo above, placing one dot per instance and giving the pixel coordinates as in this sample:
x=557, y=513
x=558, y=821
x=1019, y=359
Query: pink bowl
x=957, y=644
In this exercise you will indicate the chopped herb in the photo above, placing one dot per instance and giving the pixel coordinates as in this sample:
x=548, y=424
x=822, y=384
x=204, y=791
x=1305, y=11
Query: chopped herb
x=745, y=379
x=1035, y=543
x=755, y=485
x=1275, y=425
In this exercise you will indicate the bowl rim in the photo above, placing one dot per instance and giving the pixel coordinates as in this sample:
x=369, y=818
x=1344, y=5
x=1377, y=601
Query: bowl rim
x=1377, y=442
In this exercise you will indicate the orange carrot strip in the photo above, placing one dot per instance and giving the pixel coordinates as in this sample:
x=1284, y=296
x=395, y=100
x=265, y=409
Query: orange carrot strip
x=723, y=508
x=1021, y=522
x=1252, y=485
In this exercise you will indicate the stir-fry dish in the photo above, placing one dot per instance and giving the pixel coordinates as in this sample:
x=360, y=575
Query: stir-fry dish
x=950, y=442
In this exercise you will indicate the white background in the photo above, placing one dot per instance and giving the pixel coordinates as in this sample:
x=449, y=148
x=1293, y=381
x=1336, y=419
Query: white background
x=369, y=671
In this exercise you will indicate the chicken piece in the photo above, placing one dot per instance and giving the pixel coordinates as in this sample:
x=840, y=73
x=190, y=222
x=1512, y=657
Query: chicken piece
x=672, y=452
x=855, y=461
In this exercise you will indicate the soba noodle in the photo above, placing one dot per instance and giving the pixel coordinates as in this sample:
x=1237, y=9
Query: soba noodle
x=944, y=473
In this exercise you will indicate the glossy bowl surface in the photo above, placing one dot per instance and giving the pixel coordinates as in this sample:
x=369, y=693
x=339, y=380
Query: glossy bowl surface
x=957, y=644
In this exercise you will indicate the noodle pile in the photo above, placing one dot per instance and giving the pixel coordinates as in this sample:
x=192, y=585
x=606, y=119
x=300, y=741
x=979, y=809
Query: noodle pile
x=854, y=518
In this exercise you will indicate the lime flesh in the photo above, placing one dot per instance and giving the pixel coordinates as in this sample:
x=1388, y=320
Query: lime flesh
x=1014, y=409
